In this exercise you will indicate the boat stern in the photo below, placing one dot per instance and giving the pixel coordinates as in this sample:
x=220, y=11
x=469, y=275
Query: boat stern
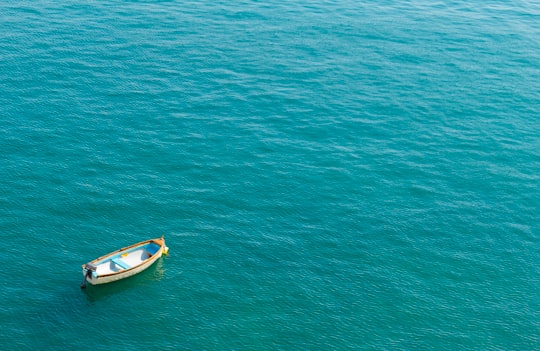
x=89, y=274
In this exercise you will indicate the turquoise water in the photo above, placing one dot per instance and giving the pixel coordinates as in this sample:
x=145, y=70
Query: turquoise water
x=328, y=175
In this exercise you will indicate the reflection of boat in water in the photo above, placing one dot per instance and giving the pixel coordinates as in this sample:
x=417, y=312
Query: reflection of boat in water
x=123, y=263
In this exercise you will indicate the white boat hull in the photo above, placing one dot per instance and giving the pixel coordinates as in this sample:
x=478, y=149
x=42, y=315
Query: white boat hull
x=123, y=263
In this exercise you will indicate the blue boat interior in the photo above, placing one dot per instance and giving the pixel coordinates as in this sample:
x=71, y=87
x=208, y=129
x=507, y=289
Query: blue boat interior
x=152, y=248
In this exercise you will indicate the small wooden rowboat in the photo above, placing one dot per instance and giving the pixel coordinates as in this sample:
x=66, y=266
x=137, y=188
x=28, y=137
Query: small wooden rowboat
x=123, y=263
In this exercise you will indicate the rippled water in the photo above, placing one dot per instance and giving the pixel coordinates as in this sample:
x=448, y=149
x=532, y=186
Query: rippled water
x=327, y=175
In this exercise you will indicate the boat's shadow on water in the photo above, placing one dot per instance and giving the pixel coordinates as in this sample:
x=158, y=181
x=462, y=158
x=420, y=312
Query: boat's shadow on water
x=96, y=293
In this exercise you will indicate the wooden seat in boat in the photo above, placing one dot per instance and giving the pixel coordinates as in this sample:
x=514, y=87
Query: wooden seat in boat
x=120, y=263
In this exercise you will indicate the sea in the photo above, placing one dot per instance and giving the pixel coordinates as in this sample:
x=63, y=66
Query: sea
x=328, y=175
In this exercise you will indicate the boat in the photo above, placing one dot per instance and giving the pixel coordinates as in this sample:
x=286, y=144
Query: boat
x=123, y=263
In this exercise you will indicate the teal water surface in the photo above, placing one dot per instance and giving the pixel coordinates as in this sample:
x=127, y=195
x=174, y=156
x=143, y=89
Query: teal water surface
x=328, y=175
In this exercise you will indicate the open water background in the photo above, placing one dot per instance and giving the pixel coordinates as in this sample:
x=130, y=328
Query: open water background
x=329, y=175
